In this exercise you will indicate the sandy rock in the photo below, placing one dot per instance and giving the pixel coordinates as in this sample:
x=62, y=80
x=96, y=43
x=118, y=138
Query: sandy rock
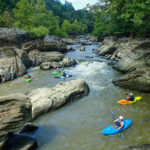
x=46, y=99
x=38, y=57
x=50, y=65
x=66, y=62
x=70, y=40
x=15, y=111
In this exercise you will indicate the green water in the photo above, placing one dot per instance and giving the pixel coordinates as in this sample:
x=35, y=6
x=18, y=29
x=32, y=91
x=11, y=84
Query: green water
x=78, y=125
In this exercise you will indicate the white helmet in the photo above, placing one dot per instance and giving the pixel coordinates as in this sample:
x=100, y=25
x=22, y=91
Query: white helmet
x=121, y=117
x=131, y=94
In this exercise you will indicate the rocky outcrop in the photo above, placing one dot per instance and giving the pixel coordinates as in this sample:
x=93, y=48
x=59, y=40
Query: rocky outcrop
x=70, y=40
x=66, y=62
x=12, y=37
x=15, y=111
x=91, y=38
x=13, y=63
x=131, y=57
x=107, y=46
x=47, y=44
x=46, y=99
x=37, y=57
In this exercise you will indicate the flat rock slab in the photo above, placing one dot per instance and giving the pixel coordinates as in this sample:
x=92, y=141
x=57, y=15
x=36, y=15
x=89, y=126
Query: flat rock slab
x=46, y=99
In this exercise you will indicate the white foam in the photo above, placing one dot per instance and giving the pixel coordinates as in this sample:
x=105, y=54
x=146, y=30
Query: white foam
x=91, y=72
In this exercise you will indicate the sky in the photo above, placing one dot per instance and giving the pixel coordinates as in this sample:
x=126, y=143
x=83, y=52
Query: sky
x=79, y=4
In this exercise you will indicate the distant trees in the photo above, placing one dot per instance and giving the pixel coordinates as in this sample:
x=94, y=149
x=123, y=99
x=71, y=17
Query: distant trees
x=42, y=17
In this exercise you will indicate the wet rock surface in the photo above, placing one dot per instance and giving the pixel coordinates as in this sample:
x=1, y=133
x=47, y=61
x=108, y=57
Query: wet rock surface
x=131, y=56
x=15, y=111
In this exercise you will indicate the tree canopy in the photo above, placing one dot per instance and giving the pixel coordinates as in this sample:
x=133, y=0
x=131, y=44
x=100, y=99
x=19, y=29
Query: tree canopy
x=123, y=17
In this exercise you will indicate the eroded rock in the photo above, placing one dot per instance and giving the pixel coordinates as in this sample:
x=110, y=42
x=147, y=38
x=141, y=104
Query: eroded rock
x=46, y=99
x=15, y=111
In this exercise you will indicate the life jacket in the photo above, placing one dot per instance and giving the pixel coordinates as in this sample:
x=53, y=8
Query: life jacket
x=118, y=123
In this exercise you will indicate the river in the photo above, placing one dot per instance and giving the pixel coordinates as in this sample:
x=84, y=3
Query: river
x=78, y=125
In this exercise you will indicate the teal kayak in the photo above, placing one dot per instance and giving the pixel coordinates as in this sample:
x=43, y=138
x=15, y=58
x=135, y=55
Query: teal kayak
x=59, y=76
x=28, y=80
x=110, y=130
x=57, y=73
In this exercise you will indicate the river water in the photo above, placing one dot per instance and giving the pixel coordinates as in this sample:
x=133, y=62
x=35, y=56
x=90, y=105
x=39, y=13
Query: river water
x=78, y=125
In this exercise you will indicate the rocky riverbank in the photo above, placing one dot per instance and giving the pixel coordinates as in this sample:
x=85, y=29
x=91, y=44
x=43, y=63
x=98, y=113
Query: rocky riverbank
x=131, y=57
x=18, y=53
x=18, y=109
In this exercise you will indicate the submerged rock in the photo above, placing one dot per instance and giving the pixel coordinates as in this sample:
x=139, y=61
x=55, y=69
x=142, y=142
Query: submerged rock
x=15, y=111
x=141, y=147
x=20, y=142
x=82, y=48
x=46, y=99
x=28, y=127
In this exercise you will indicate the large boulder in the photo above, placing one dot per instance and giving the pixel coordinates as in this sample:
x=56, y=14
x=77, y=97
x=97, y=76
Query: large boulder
x=107, y=46
x=12, y=37
x=66, y=62
x=138, y=80
x=15, y=111
x=37, y=57
x=48, y=43
x=70, y=40
x=13, y=63
x=46, y=99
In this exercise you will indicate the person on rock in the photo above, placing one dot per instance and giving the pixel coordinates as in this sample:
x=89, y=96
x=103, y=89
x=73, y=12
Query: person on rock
x=118, y=123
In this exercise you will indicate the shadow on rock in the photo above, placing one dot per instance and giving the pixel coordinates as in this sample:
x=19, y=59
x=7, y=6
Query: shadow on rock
x=18, y=142
x=141, y=147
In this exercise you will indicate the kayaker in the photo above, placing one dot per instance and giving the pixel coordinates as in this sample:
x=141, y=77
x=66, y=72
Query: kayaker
x=57, y=70
x=28, y=76
x=119, y=123
x=64, y=74
x=129, y=97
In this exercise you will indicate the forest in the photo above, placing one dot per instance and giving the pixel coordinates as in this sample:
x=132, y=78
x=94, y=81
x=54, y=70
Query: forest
x=106, y=17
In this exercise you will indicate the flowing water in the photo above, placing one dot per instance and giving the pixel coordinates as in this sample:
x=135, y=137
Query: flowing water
x=78, y=125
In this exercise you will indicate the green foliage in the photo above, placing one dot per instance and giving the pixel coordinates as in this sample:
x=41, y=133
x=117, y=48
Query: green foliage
x=124, y=17
x=33, y=17
x=39, y=16
x=40, y=31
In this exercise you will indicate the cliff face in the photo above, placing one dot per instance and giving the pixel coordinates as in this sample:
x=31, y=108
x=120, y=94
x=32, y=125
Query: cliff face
x=131, y=57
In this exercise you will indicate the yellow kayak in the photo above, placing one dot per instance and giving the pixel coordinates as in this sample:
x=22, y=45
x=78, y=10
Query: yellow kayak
x=125, y=102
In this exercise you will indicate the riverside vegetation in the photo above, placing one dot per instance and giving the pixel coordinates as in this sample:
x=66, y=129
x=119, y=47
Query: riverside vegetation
x=43, y=20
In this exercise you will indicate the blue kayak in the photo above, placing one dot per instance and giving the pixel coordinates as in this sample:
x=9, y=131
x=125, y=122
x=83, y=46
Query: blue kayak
x=110, y=130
